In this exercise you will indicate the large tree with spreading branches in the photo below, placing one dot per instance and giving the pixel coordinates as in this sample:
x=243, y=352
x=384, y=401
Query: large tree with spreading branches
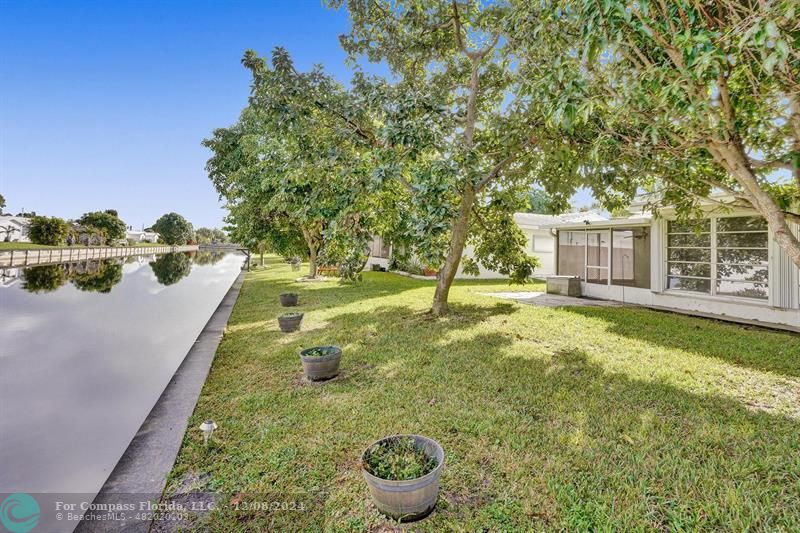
x=285, y=167
x=454, y=127
x=699, y=97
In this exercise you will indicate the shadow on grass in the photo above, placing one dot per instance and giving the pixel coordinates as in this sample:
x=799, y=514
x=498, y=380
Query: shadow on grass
x=745, y=346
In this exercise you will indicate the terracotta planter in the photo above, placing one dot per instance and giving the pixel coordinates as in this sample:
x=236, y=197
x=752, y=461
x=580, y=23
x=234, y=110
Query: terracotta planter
x=290, y=322
x=289, y=299
x=409, y=499
x=319, y=367
x=429, y=272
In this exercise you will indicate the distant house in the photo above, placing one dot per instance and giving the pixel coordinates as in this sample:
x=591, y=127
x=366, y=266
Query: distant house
x=141, y=235
x=728, y=266
x=14, y=228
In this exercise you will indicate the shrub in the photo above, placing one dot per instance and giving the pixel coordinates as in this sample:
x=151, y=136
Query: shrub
x=50, y=231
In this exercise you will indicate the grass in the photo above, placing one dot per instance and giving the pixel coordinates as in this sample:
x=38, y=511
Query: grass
x=558, y=419
x=23, y=246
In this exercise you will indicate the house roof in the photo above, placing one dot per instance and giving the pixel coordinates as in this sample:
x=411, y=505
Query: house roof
x=535, y=220
x=636, y=220
x=18, y=221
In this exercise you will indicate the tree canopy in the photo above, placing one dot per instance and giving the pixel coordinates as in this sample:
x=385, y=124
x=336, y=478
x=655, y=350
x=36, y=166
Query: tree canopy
x=698, y=98
x=108, y=221
x=209, y=235
x=173, y=229
x=50, y=231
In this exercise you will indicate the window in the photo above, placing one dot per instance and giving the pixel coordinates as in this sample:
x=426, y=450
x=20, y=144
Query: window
x=630, y=257
x=541, y=243
x=741, y=246
x=597, y=256
x=689, y=256
x=571, y=253
x=722, y=256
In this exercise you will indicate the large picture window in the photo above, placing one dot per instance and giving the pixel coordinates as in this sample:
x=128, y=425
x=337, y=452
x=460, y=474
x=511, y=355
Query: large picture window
x=721, y=256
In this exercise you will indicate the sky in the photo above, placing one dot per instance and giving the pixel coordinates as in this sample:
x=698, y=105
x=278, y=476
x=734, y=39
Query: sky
x=103, y=105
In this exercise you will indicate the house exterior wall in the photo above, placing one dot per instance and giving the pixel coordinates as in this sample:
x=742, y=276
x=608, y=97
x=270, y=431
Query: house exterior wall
x=781, y=307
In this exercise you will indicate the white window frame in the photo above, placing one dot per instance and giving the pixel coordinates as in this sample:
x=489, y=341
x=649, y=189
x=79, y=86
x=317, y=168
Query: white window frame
x=713, y=258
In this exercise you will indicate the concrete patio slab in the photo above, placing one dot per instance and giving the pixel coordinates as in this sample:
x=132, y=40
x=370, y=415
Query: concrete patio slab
x=543, y=299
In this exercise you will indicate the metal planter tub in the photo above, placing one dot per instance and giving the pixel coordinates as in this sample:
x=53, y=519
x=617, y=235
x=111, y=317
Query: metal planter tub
x=321, y=362
x=289, y=299
x=290, y=322
x=410, y=499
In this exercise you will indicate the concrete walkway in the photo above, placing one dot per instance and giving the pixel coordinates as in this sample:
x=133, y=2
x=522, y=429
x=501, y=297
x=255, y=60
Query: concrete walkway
x=543, y=299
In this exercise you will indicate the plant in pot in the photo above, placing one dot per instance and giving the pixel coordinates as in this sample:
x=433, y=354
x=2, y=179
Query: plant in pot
x=289, y=322
x=402, y=472
x=295, y=262
x=321, y=362
x=288, y=299
x=429, y=271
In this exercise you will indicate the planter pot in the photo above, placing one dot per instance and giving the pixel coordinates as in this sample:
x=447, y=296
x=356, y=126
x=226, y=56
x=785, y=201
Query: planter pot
x=289, y=299
x=409, y=499
x=429, y=272
x=289, y=323
x=319, y=367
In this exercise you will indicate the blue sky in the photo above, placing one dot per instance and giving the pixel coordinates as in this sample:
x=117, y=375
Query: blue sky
x=104, y=104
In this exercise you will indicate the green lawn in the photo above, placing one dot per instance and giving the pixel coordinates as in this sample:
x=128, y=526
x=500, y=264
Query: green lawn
x=559, y=419
x=23, y=246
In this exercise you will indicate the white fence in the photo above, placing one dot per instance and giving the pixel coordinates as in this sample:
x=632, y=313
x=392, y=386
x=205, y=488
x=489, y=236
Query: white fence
x=16, y=258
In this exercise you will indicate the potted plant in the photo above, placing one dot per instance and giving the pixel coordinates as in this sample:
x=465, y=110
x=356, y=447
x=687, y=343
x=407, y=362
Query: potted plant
x=429, y=271
x=295, y=262
x=402, y=472
x=321, y=362
x=289, y=322
x=288, y=299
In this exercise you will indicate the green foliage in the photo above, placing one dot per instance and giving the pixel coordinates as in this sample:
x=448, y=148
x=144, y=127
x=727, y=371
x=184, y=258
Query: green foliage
x=210, y=235
x=98, y=276
x=171, y=268
x=52, y=231
x=44, y=278
x=107, y=221
x=683, y=99
x=398, y=459
x=540, y=202
x=174, y=229
x=2, y=203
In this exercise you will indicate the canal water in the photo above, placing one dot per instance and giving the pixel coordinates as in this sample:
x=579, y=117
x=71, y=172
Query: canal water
x=86, y=349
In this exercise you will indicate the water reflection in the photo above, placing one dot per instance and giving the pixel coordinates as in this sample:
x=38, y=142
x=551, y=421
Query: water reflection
x=100, y=275
x=85, y=351
x=171, y=268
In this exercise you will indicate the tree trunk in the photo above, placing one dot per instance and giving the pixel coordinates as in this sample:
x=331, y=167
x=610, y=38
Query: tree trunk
x=312, y=241
x=734, y=159
x=459, y=238
x=312, y=262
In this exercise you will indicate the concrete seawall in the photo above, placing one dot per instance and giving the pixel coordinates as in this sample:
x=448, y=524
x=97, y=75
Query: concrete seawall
x=43, y=256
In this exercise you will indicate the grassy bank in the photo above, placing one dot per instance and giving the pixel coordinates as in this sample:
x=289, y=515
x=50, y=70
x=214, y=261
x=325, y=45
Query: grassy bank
x=573, y=418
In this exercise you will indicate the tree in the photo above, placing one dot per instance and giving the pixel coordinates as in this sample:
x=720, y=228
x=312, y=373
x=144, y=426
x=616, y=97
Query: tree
x=171, y=268
x=50, y=231
x=457, y=129
x=284, y=168
x=108, y=221
x=174, y=229
x=2, y=203
x=540, y=202
x=696, y=97
x=209, y=235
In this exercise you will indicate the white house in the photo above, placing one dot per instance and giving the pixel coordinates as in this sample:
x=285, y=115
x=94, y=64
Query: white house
x=141, y=236
x=14, y=228
x=540, y=243
x=729, y=267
